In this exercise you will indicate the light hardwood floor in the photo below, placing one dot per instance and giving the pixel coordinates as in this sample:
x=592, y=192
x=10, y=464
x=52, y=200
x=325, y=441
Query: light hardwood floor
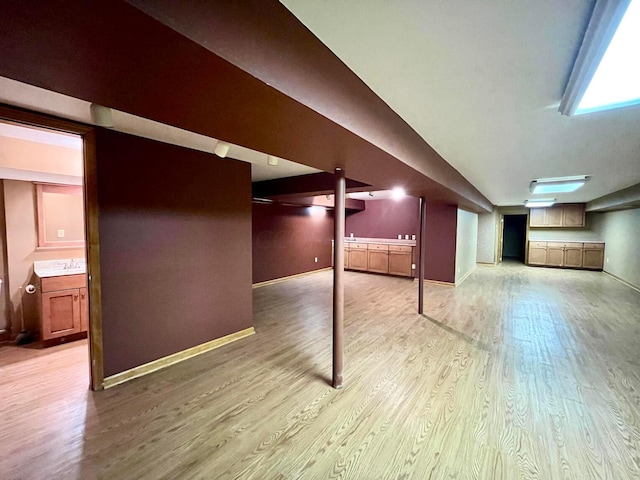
x=517, y=373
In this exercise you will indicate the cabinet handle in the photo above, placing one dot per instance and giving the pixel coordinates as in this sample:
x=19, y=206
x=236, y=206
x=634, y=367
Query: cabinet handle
x=75, y=296
x=82, y=295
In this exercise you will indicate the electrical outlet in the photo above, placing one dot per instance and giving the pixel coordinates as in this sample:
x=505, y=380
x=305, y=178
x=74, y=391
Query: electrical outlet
x=61, y=233
x=413, y=266
x=315, y=259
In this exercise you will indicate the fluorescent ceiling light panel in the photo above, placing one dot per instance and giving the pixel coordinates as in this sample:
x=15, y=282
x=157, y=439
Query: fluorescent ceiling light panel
x=606, y=73
x=616, y=82
x=543, y=202
x=558, y=185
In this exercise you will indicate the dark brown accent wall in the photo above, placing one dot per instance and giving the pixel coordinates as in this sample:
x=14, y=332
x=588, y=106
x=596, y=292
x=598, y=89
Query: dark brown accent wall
x=386, y=219
x=143, y=67
x=286, y=239
x=440, y=255
x=175, y=248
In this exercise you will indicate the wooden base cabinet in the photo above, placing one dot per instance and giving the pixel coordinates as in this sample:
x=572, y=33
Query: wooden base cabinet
x=593, y=256
x=400, y=260
x=64, y=306
x=358, y=258
x=379, y=258
x=566, y=254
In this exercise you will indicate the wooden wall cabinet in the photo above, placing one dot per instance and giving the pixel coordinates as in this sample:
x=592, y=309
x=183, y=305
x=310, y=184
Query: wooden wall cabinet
x=568, y=215
x=64, y=306
x=567, y=254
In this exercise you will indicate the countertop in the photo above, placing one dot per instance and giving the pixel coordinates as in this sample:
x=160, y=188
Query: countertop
x=564, y=241
x=380, y=241
x=57, y=268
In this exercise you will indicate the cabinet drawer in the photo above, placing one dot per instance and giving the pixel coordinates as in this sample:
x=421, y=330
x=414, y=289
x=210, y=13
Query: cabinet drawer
x=358, y=246
x=376, y=246
x=594, y=246
x=538, y=244
x=556, y=244
x=51, y=284
x=400, y=248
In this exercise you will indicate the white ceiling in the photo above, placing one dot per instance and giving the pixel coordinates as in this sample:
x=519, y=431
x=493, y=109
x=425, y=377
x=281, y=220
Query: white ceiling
x=45, y=101
x=481, y=82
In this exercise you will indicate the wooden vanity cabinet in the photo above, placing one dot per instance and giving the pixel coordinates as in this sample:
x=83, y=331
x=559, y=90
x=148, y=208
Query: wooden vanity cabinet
x=64, y=306
x=400, y=260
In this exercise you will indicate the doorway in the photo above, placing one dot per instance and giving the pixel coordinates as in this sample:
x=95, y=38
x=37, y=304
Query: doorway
x=74, y=246
x=514, y=238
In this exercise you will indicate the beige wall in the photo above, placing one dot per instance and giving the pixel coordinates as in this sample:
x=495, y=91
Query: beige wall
x=621, y=232
x=466, y=243
x=22, y=251
x=39, y=157
x=487, y=237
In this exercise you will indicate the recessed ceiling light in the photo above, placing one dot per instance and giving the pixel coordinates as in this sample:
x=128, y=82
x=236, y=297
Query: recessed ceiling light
x=398, y=193
x=558, y=184
x=542, y=202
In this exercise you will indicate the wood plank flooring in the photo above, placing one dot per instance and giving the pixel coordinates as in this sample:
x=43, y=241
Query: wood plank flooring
x=518, y=373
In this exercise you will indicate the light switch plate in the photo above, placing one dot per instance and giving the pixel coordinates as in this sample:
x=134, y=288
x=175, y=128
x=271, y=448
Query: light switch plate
x=60, y=233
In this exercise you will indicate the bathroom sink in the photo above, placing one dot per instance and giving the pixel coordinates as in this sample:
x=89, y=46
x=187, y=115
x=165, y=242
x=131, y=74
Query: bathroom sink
x=57, y=268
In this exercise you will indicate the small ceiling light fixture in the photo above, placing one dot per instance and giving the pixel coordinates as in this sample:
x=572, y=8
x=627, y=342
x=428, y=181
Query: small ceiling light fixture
x=101, y=116
x=398, y=193
x=539, y=203
x=272, y=160
x=605, y=74
x=558, y=184
x=222, y=148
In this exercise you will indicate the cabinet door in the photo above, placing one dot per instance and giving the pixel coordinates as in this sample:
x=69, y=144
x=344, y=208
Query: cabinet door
x=537, y=253
x=554, y=216
x=593, y=258
x=537, y=217
x=573, y=215
x=573, y=256
x=84, y=310
x=378, y=261
x=400, y=263
x=346, y=258
x=60, y=313
x=555, y=255
x=358, y=259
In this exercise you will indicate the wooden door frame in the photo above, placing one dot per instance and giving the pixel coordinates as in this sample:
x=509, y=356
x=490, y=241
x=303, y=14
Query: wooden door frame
x=92, y=237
